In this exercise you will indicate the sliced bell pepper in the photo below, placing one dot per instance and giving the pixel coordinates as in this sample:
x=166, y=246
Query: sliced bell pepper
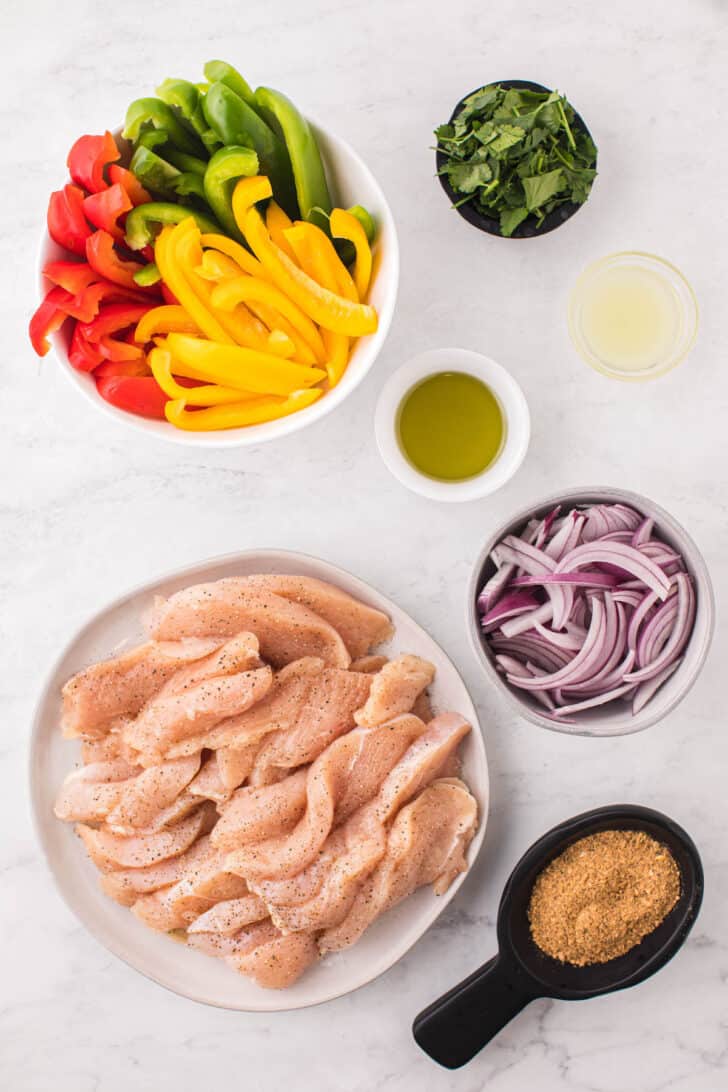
x=344, y=225
x=135, y=394
x=366, y=220
x=168, y=295
x=162, y=320
x=154, y=172
x=238, y=253
x=113, y=319
x=233, y=366
x=83, y=355
x=142, y=222
x=185, y=98
x=236, y=123
x=254, y=411
x=138, y=366
x=279, y=343
x=206, y=395
x=188, y=164
x=67, y=224
x=48, y=317
x=135, y=191
x=73, y=276
x=151, y=112
x=147, y=275
x=104, y=208
x=226, y=166
x=275, y=321
x=245, y=289
x=117, y=349
x=104, y=259
x=277, y=222
x=222, y=72
x=174, y=274
x=309, y=176
x=326, y=308
x=87, y=159
x=217, y=267
x=316, y=255
x=85, y=306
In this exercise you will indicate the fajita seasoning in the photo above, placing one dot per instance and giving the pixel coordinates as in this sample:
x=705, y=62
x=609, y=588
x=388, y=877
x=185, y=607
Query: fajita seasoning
x=602, y=895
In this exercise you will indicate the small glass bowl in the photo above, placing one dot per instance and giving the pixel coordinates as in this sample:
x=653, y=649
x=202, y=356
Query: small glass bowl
x=682, y=295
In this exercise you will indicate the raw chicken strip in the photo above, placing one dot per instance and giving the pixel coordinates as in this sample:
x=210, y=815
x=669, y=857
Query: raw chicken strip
x=105, y=748
x=124, y=683
x=218, y=944
x=231, y=916
x=320, y=896
x=125, y=885
x=166, y=720
x=152, y=791
x=426, y=845
x=279, y=962
x=109, y=851
x=240, y=653
x=203, y=884
x=235, y=763
x=277, y=711
x=369, y=665
x=208, y=783
x=287, y=631
x=395, y=689
x=327, y=713
x=91, y=792
x=253, y=814
x=346, y=775
x=361, y=627
x=422, y=707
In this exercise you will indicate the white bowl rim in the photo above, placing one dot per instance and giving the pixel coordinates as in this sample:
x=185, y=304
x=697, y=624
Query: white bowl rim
x=281, y=557
x=513, y=404
x=253, y=435
x=627, y=724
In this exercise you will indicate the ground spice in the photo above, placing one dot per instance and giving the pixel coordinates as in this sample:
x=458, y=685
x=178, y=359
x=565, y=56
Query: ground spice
x=602, y=895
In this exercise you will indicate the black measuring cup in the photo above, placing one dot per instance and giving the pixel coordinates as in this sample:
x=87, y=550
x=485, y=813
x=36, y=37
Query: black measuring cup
x=460, y=1023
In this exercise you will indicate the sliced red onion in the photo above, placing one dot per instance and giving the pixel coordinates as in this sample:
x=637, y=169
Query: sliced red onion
x=587, y=608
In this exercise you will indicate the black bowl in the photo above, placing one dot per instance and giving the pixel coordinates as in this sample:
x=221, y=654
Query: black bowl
x=528, y=228
x=460, y=1023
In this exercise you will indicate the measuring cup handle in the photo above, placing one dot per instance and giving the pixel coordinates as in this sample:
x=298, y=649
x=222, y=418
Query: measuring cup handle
x=455, y=1027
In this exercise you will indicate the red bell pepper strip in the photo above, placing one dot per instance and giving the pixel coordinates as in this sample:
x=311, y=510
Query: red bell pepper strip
x=87, y=159
x=103, y=209
x=104, y=259
x=66, y=221
x=168, y=295
x=135, y=191
x=113, y=319
x=117, y=349
x=73, y=276
x=49, y=317
x=122, y=367
x=86, y=305
x=83, y=356
x=135, y=394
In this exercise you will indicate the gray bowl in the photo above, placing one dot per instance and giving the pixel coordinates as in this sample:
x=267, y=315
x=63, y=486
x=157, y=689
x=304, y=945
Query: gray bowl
x=616, y=719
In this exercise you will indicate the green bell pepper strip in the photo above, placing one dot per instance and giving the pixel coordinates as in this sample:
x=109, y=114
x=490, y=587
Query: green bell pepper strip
x=184, y=162
x=153, y=113
x=157, y=141
x=185, y=97
x=152, y=138
x=141, y=221
x=236, y=123
x=222, y=72
x=190, y=184
x=154, y=172
x=309, y=176
x=225, y=168
x=366, y=220
x=148, y=275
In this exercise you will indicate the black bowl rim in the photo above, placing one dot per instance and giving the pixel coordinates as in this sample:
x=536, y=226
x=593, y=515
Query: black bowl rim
x=527, y=229
x=675, y=927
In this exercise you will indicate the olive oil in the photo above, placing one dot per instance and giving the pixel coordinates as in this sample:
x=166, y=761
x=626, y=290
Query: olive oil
x=451, y=426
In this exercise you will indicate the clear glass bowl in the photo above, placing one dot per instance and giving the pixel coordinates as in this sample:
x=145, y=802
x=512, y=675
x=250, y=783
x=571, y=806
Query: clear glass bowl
x=664, y=290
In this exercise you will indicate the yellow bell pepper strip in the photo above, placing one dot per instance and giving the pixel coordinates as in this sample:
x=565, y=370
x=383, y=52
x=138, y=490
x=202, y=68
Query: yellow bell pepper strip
x=256, y=411
x=303, y=354
x=244, y=289
x=319, y=259
x=346, y=226
x=277, y=221
x=161, y=320
x=210, y=395
x=248, y=192
x=167, y=259
x=326, y=308
x=217, y=267
x=280, y=344
x=238, y=253
x=317, y=256
x=233, y=366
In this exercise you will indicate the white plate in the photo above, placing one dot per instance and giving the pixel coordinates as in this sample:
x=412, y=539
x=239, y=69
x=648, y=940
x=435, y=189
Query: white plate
x=189, y=973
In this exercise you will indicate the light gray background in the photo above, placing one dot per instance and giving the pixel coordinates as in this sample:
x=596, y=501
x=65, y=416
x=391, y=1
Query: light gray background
x=89, y=509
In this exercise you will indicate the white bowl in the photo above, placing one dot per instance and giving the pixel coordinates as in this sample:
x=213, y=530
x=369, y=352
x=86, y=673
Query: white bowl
x=617, y=718
x=512, y=403
x=184, y=970
x=351, y=183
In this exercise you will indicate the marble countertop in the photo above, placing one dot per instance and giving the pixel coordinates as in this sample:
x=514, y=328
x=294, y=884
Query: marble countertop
x=89, y=509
